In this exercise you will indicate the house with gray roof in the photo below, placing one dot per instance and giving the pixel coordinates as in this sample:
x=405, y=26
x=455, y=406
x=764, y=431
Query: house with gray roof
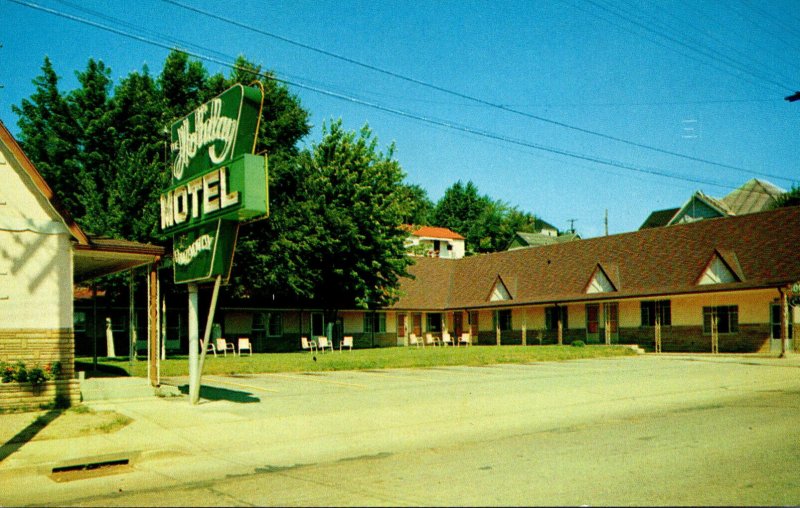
x=753, y=196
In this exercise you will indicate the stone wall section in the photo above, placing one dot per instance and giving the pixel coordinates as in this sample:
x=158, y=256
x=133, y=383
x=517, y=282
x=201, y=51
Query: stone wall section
x=39, y=347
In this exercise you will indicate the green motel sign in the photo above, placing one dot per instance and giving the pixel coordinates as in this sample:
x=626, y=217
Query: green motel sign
x=216, y=183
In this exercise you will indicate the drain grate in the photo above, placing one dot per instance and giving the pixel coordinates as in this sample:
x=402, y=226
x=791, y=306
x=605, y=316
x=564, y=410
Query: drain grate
x=90, y=470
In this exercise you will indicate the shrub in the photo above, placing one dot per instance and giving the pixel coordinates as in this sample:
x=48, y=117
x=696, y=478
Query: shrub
x=9, y=373
x=578, y=343
x=37, y=376
x=22, y=373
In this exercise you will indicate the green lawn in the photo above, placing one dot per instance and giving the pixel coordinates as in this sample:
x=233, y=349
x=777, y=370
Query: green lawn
x=382, y=358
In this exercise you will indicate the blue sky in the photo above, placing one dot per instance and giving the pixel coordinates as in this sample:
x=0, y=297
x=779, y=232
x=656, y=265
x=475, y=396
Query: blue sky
x=551, y=106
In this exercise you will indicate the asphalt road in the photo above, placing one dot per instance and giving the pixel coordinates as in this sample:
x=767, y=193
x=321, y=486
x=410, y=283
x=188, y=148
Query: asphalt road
x=670, y=430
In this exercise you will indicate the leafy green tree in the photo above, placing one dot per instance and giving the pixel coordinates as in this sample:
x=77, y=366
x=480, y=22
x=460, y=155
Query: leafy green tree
x=183, y=84
x=488, y=225
x=418, y=207
x=336, y=239
x=460, y=208
x=791, y=198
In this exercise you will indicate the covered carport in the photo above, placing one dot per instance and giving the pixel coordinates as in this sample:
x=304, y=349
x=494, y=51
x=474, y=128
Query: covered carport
x=102, y=256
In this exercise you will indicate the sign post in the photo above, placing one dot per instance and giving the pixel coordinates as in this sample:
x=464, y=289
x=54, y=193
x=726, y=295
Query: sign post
x=217, y=182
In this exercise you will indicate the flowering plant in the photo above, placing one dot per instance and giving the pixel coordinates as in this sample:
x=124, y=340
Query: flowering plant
x=35, y=375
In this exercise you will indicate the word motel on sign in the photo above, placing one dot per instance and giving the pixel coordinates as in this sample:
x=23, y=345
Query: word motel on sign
x=198, y=197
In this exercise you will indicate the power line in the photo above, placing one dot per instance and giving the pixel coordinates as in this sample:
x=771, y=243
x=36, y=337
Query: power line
x=707, y=33
x=386, y=109
x=465, y=96
x=626, y=16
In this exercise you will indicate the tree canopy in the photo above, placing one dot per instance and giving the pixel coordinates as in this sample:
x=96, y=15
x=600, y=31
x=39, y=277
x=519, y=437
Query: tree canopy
x=488, y=225
x=333, y=237
x=791, y=198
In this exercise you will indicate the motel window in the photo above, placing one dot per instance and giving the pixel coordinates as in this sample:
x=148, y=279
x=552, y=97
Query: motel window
x=727, y=318
x=375, y=322
x=434, y=322
x=502, y=319
x=79, y=322
x=652, y=308
x=775, y=321
x=269, y=322
x=551, y=315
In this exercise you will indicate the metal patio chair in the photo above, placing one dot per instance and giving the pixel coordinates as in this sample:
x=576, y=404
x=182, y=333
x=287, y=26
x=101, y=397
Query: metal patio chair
x=308, y=345
x=244, y=343
x=323, y=342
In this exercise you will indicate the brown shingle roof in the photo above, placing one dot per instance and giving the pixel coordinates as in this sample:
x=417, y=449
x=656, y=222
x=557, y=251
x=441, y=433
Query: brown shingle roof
x=430, y=285
x=649, y=262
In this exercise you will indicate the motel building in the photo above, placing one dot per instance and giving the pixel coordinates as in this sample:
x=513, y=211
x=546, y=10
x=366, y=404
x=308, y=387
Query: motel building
x=43, y=254
x=719, y=285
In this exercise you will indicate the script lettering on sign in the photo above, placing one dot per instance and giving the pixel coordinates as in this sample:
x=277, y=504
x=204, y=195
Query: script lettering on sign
x=209, y=127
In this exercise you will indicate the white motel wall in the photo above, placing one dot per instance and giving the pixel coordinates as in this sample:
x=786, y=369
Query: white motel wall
x=35, y=288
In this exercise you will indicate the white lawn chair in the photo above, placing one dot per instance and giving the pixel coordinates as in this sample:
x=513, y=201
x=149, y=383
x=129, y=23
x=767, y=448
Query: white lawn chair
x=210, y=347
x=244, y=343
x=465, y=339
x=430, y=340
x=224, y=346
x=323, y=342
x=347, y=341
x=446, y=339
x=413, y=340
x=308, y=345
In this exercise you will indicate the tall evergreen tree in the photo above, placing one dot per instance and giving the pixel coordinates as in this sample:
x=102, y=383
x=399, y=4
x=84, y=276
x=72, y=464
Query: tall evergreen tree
x=50, y=137
x=142, y=158
x=97, y=139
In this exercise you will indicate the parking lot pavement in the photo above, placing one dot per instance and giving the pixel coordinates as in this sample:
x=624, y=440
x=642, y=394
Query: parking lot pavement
x=282, y=427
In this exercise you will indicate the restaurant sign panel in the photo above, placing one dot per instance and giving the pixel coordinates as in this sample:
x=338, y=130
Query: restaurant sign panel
x=216, y=183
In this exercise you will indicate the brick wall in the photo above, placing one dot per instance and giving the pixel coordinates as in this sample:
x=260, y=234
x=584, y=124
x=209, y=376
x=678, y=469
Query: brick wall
x=690, y=339
x=38, y=347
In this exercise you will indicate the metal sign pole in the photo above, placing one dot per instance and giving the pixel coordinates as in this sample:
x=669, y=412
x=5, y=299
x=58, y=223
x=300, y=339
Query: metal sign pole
x=194, y=346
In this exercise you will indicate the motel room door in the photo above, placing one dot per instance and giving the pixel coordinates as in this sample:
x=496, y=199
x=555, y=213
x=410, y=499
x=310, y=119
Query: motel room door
x=775, y=327
x=402, y=326
x=592, y=323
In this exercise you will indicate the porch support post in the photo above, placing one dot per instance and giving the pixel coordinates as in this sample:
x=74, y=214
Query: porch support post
x=94, y=325
x=131, y=321
x=607, y=324
x=658, y=330
x=153, y=326
x=560, y=326
x=714, y=332
x=784, y=323
x=497, y=327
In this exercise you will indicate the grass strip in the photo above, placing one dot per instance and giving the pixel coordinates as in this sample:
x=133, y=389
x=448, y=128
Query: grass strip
x=359, y=359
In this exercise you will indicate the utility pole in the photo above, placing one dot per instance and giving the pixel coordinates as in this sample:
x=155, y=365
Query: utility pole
x=606, y=221
x=572, y=225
